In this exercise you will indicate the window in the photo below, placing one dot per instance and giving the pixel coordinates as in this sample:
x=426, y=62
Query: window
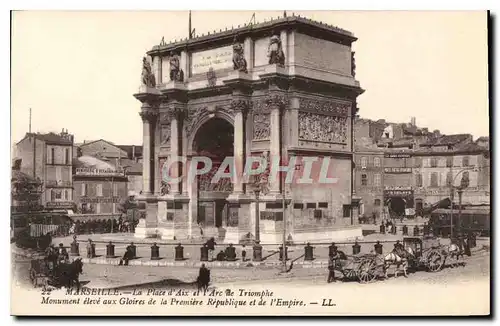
x=56, y=194
x=99, y=190
x=418, y=162
x=376, y=202
x=115, y=190
x=434, y=162
x=465, y=161
x=322, y=205
x=52, y=155
x=66, y=195
x=434, y=179
x=364, y=162
x=419, y=182
x=346, y=210
x=376, y=180
x=448, y=179
x=364, y=180
x=376, y=161
x=298, y=206
x=311, y=205
x=66, y=156
x=449, y=161
x=84, y=189
x=98, y=208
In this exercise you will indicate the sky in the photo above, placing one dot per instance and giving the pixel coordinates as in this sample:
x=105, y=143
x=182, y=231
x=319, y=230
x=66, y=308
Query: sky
x=79, y=70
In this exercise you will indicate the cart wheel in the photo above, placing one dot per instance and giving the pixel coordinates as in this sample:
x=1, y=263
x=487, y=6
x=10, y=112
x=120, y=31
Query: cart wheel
x=434, y=261
x=367, y=271
x=33, y=277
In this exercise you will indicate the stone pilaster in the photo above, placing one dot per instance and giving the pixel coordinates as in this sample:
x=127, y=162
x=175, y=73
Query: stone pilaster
x=148, y=116
x=174, y=116
x=239, y=107
x=276, y=103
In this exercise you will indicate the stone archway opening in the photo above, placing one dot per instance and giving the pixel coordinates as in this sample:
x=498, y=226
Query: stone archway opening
x=397, y=206
x=215, y=140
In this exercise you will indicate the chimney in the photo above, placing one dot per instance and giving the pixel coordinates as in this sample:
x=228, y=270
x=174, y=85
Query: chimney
x=413, y=121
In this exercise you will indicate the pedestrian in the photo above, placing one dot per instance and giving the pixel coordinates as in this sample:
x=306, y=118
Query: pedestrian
x=90, y=249
x=62, y=254
x=243, y=254
x=203, y=278
x=332, y=262
x=126, y=256
x=211, y=247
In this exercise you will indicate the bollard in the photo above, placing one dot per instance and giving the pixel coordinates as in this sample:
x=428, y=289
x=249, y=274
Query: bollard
x=75, y=248
x=405, y=230
x=203, y=253
x=155, y=252
x=179, y=252
x=308, y=252
x=230, y=253
x=382, y=228
x=415, y=230
x=257, y=252
x=331, y=249
x=378, y=248
x=133, y=250
x=281, y=253
x=356, y=248
x=110, y=250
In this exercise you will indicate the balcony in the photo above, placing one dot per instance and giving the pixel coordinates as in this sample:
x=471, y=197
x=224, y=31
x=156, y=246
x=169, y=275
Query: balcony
x=58, y=183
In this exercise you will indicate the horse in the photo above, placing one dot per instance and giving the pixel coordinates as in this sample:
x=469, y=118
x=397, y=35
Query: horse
x=68, y=274
x=399, y=258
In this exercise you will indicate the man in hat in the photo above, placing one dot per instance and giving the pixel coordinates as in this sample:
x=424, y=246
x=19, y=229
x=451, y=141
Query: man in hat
x=62, y=254
x=332, y=264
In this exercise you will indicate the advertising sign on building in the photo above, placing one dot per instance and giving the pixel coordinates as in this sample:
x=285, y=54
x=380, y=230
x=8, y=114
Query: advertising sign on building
x=397, y=170
x=397, y=155
x=398, y=193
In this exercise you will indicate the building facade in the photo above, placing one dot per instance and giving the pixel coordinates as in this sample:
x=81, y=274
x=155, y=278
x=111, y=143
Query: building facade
x=421, y=168
x=126, y=157
x=369, y=180
x=280, y=89
x=49, y=157
x=99, y=186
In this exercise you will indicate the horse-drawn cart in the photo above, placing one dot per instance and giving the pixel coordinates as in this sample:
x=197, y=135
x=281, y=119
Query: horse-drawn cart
x=427, y=252
x=40, y=270
x=363, y=268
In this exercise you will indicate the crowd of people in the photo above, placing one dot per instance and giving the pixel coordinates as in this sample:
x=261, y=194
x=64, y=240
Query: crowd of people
x=104, y=226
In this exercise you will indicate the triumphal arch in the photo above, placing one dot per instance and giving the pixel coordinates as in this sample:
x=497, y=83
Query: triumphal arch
x=284, y=88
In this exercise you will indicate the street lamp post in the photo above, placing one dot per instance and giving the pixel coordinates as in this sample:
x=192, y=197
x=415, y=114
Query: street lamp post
x=257, y=217
x=284, y=232
x=460, y=192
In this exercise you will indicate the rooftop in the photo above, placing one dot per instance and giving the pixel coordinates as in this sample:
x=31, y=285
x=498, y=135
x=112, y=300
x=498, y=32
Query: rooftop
x=63, y=138
x=319, y=28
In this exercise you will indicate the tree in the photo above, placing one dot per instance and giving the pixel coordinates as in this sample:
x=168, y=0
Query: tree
x=26, y=193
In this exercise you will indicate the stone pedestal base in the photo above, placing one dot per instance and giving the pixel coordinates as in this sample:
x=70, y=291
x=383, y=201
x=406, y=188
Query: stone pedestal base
x=323, y=235
x=233, y=235
x=143, y=232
